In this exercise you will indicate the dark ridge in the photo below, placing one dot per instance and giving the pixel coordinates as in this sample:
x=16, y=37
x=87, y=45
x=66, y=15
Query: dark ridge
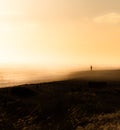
x=22, y=91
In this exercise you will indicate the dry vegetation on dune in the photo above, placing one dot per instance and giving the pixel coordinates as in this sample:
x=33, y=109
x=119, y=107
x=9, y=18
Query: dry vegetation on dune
x=102, y=122
x=62, y=105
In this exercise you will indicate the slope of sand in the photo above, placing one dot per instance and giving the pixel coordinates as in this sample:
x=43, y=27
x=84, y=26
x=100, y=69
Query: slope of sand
x=101, y=75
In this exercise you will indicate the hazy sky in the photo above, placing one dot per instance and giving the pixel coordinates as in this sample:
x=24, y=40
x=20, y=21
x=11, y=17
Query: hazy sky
x=60, y=33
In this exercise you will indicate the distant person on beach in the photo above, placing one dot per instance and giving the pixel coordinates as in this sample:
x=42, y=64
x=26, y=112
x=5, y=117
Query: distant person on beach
x=91, y=68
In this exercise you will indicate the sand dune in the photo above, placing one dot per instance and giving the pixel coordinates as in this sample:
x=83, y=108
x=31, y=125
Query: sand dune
x=104, y=75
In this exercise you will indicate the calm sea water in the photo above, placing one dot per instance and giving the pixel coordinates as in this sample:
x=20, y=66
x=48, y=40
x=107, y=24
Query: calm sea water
x=17, y=77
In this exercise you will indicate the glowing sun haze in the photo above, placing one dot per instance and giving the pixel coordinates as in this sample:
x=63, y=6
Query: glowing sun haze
x=60, y=34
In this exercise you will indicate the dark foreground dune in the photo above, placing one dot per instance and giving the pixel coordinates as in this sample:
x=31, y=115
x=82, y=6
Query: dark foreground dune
x=75, y=104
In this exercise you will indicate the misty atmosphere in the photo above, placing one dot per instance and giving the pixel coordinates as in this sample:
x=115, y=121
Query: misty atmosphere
x=59, y=65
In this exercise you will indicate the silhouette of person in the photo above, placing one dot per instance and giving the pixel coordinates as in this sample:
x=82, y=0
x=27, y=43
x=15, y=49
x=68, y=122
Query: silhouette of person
x=91, y=68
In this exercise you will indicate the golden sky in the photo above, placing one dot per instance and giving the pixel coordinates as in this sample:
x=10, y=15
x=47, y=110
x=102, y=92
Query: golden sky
x=60, y=33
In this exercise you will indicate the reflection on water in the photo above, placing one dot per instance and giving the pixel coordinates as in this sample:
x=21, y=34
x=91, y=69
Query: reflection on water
x=11, y=77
